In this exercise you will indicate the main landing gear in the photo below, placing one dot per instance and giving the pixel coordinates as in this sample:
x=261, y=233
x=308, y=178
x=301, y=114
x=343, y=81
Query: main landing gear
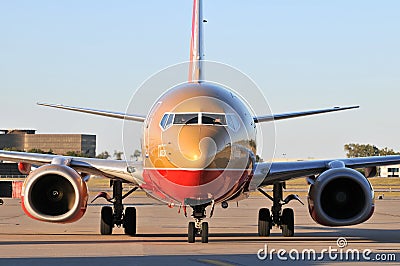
x=198, y=227
x=280, y=218
x=115, y=216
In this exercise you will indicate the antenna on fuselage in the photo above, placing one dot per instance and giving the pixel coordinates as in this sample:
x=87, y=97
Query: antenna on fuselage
x=196, y=71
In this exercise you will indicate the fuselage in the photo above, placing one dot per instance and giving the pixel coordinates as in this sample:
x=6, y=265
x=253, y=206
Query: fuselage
x=199, y=145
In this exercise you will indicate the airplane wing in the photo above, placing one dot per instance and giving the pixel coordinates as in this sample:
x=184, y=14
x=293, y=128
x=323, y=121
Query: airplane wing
x=113, y=169
x=269, y=173
x=131, y=117
x=276, y=117
x=141, y=118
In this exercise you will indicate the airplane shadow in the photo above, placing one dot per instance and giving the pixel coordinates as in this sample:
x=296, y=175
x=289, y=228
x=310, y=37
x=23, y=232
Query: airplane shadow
x=375, y=235
x=166, y=260
x=316, y=234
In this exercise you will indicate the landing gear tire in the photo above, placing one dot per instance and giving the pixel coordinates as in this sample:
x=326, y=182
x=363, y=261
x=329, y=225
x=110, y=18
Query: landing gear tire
x=287, y=224
x=264, y=222
x=106, y=223
x=191, y=232
x=130, y=221
x=204, y=232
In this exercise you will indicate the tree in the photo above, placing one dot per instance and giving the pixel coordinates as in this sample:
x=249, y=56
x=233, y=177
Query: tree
x=354, y=150
x=12, y=149
x=35, y=150
x=103, y=155
x=386, y=151
x=118, y=155
x=75, y=154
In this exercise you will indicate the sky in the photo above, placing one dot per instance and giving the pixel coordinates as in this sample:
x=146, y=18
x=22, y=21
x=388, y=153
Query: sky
x=302, y=54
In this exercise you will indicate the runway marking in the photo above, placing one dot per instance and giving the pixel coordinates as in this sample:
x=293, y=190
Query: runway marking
x=11, y=217
x=387, y=214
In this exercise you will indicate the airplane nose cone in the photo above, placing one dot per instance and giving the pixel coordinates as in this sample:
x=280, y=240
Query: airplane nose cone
x=197, y=145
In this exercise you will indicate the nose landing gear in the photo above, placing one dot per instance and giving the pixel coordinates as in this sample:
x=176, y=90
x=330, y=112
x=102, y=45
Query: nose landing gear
x=198, y=227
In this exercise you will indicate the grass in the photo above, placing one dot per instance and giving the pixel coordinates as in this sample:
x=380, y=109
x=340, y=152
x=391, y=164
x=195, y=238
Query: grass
x=376, y=182
x=97, y=182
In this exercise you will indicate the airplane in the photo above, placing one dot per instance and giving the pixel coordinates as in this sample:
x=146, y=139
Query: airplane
x=199, y=149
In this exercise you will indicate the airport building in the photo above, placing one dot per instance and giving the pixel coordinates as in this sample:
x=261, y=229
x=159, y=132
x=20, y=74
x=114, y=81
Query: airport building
x=11, y=179
x=390, y=171
x=27, y=139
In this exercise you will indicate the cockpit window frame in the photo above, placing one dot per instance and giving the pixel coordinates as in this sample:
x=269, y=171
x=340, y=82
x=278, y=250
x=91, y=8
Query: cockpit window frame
x=164, y=120
x=168, y=120
x=234, y=123
x=188, y=122
x=210, y=115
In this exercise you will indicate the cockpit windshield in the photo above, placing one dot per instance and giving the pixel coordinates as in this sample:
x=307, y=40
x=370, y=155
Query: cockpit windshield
x=215, y=119
x=185, y=119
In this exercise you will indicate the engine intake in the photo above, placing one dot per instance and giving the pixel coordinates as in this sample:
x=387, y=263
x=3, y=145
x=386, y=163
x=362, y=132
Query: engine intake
x=341, y=197
x=54, y=193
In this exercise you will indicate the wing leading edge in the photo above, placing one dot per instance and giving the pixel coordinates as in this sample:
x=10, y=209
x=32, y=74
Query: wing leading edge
x=276, y=117
x=114, y=169
x=131, y=117
x=268, y=173
x=142, y=118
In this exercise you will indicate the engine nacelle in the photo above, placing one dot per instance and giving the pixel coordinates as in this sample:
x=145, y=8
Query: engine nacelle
x=341, y=197
x=54, y=193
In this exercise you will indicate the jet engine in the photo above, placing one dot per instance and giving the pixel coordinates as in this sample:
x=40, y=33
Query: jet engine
x=341, y=197
x=54, y=193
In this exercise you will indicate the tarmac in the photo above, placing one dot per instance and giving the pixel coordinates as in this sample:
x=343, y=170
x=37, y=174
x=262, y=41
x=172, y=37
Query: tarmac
x=233, y=240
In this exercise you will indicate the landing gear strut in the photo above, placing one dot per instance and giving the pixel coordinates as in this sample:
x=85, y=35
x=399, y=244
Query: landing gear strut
x=283, y=218
x=198, y=227
x=115, y=216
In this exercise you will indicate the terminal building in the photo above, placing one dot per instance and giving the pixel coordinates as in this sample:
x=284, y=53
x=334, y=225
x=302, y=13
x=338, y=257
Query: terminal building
x=27, y=140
